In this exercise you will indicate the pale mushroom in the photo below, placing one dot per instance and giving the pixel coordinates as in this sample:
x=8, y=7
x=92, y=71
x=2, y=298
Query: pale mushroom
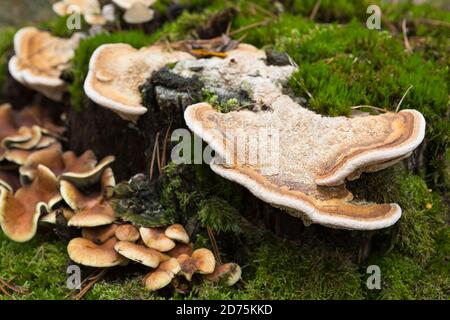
x=229, y=273
x=90, y=9
x=127, y=4
x=177, y=232
x=40, y=59
x=87, y=253
x=138, y=13
x=138, y=253
x=116, y=71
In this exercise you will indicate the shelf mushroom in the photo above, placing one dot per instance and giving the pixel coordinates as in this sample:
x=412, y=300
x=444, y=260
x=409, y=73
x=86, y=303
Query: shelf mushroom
x=305, y=170
x=116, y=71
x=90, y=9
x=40, y=59
x=19, y=212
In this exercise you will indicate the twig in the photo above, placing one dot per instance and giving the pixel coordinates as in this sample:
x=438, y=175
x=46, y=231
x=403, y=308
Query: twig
x=93, y=280
x=263, y=10
x=401, y=100
x=152, y=161
x=214, y=244
x=431, y=22
x=165, y=144
x=11, y=287
x=315, y=10
x=370, y=107
x=3, y=290
x=250, y=26
x=405, y=37
x=158, y=157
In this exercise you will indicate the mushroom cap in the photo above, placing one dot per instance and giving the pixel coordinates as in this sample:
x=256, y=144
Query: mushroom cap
x=99, y=215
x=138, y=13
x=127, y=232
x=230, y=272
x=204, y=261
x=162, y=276
x=86, y=178
x=127, y=4
x=9, y=180
x=90, y=9
x=78, y=200
x=40, y=59
x=141, y=254
x=180, y=249
x=155, y=238
x=327, y=151
x=178, y=233
x=116, y=72
x=87, y=253
x=19, y=213
x=100, y=234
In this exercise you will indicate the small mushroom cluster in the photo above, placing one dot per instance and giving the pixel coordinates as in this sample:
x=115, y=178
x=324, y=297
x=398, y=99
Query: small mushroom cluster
x=40, y=59
x=167, y=251
x=90, y=9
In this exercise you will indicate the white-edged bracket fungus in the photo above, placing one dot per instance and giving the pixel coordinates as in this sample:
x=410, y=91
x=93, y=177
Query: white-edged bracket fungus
x=293, y=158
x=156, y=239
x=163, y=275
x=116, y=72
x=87, y=253
x=19, y=213
x=89, y=9
x=40, y=59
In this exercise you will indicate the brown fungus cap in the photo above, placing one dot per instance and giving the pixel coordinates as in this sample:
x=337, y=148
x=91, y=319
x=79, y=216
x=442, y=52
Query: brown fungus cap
x=163, y=275
x=230, y=273
x=177, y=232
x=154, y=238
x=201, y=261
x=87, y=253
x=180, y=249
x=141, y=254
x=98, y=215
x=19, y=213
x=100, y=234
x=127, y=232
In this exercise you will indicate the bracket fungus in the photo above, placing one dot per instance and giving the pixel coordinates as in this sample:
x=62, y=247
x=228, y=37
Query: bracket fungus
x=87, y=253
x=40, y=59
x=116, y=71
x=19, y=213
x=90, y=9
x=293, y=158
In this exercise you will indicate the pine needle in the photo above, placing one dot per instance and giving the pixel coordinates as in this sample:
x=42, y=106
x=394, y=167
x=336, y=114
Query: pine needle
x=401, y=101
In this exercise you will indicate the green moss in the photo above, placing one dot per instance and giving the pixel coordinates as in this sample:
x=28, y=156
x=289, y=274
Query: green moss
x=6, y=45
x=217, y=213
x=80, y=63
x=38, y=267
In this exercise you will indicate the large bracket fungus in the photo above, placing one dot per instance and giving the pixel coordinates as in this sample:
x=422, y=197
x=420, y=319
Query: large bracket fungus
x=40, y=59
x=290, y=156
x=116, y=71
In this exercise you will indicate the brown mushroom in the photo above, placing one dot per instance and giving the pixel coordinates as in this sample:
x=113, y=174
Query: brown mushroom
x=201, y=261
x=100, y=234
x=87, y=253
x=155, y=238
x=162, y=276
x=127, y=232
x=180, y=249
x=19, y=213
x=177, y=232
x=98, y=215
x=141, y=254
x=230, y=273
